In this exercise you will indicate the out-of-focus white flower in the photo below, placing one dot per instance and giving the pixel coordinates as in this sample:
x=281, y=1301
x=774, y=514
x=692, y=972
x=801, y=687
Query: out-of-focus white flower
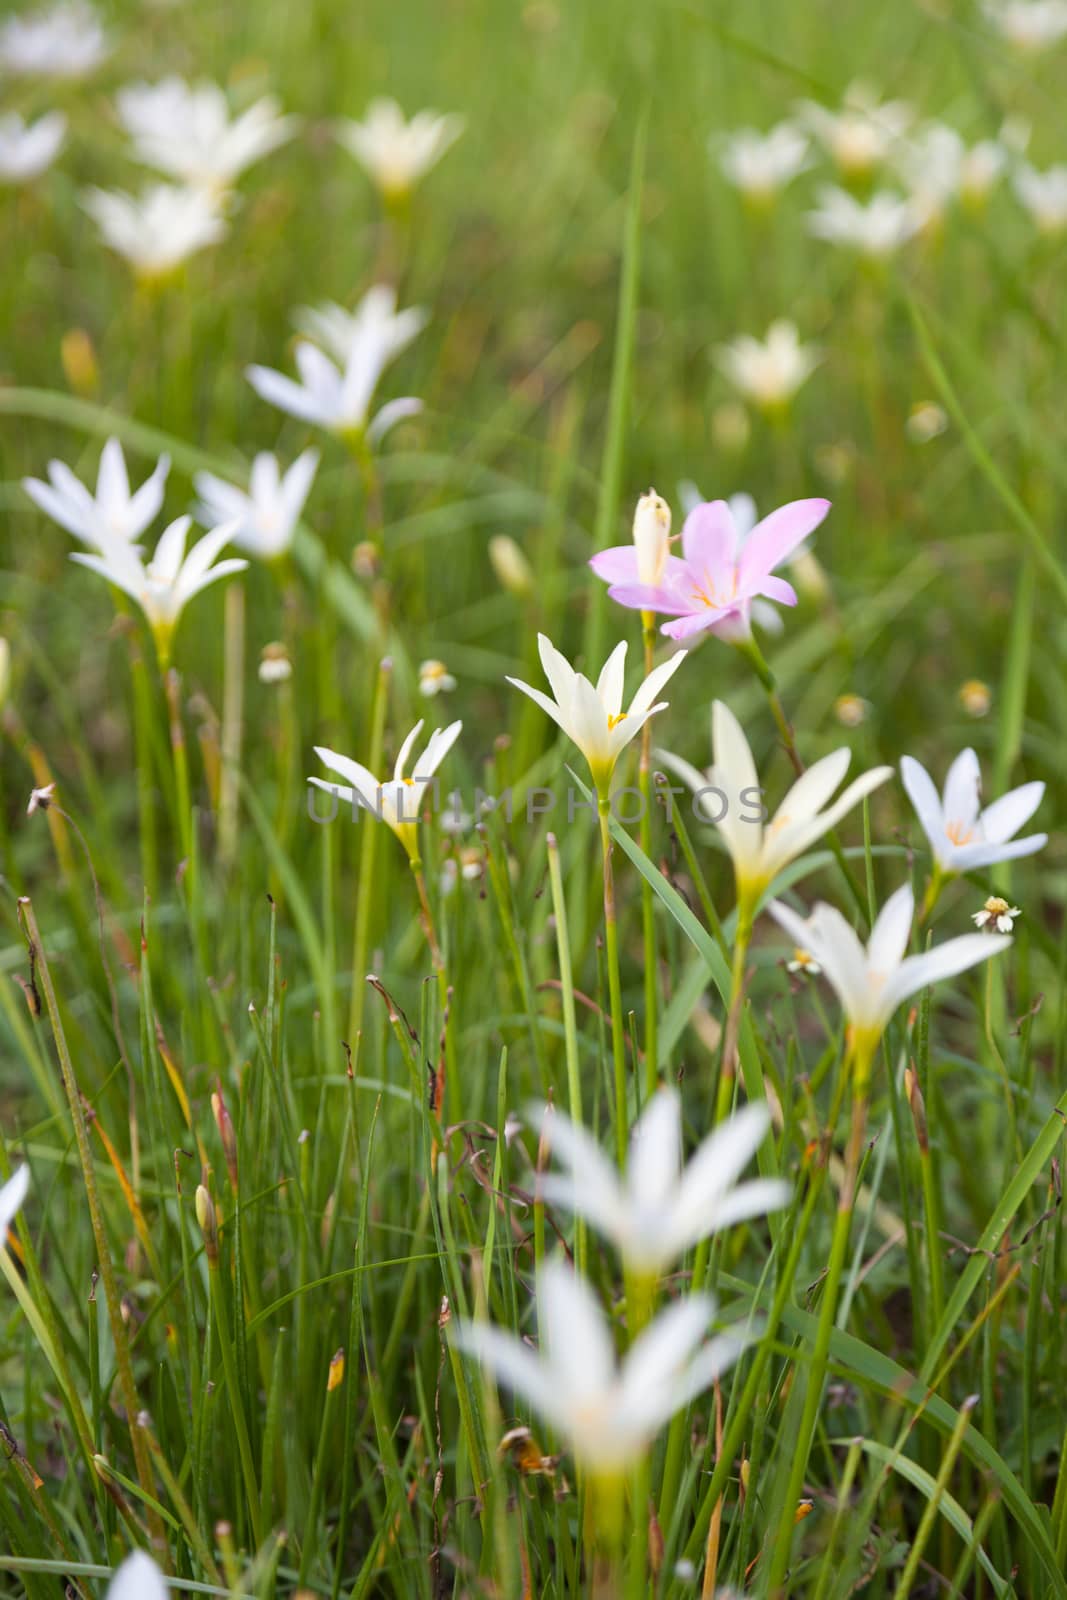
x=876, y=228
x=112, y=513
x=138, y=1578
x=592, y=716
x=5, y=669
x=975, y=697
x=996, y=915
x=1029, y=25
x=1044, y=196
x=275, y=665
x=851, y=710
x=760, y=849
x=395, y=802
x=769, y=371
x=926, y=421
x=164, y=587
x=12, y=1194
x=396, y=153
x=660, y=1208
x=962, y=836
x=337, y=394
x=40, y=799
x=872, y=982
x=863, y=133
x=608, y=1414
x=157, y=230
x=375, y=325
x=264, y=517
x=65, y=41
x=186, y=130
x=981, y=168
x=435, y=679
x=929, y=164
x=28, y=148
x=803, y=962
x=762, y=164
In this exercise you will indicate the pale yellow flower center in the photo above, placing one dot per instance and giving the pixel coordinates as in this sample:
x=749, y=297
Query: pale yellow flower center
x=959, y=833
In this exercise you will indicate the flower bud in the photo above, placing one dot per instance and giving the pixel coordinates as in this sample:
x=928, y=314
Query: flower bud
x=512, y=569
x=652, y=532
x=205, y=1216
x=227, y=1134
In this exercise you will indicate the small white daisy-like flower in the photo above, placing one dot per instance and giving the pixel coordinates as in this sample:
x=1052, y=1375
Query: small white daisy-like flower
x=803, y=962
x=851, y=710
x=434, y=679
x=40, y=799
x=274, y=664
x=975, y=697
x=996, y=916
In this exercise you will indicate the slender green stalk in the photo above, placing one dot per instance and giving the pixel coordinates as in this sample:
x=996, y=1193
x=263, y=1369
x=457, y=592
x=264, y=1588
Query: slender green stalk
x=570, y=1026
x=368, y=857
x=611, y=946
x=929, y=1516
x=648, y=905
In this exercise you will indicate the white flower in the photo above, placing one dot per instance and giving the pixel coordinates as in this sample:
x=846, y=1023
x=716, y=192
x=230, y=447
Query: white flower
x=510, y=565
x=110, y=515
x=138, y=1578
x=803, y=961
x=64, y=42
x=981, y=167
x=435, y=679
x=876, y=228
x=396, y=153
x=962, y=836
x=761, y=164
x=187, y=132
x=1029, y=25
x=608, y=1413
x=275, y=665
x=157, y=230
x=1044, y=195
x=731, y=798
x=264, y=519
x=363, y=342
x=374, y=326
x=871, y=983
x=660, y=1209
x=996, y=915
x=930, y=165
x=863, y=133
x=28, y=148
x=165, y=586
x=12, y=1194
x=769, y=372
x=395, y=802
x=593, y=716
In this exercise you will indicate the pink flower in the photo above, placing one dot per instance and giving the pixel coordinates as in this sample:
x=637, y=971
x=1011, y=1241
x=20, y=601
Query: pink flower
x=712, y=585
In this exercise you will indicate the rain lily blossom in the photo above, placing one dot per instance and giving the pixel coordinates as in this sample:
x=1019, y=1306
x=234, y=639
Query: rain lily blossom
x=996, y=915
x=660, y=1209
x=264, y=518
x=981, y=168
x=962, y=835
x=337, y=394
x=138, y=1578
x=592, y=715
x=608, y=1413
x=760, y=165
x=872, y=982
x=12, y=1194
x=863, y=133
x=66, y=41
x=395, y=801
x=712, y=584
x=111, y=515
x=164, y=587
x=1029, y=25
x=28, y=148
x=394, y=152
x=875, y=229
x=769, y=372
x=374, y=326
x=187, y=132
x=1044, y=196
x=730, y=797
x=158, y=230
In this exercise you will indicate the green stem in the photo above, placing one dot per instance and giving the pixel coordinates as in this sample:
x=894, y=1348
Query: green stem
x=368, y=853
x=611, y=941
x=570, y=1026
x=648, y=917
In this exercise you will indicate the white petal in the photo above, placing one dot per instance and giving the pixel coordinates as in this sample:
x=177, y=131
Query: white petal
x=969, y=857
x=138, y=1578
x=963, y=788
x=574, y=1336
x=919, y=787
x=405, y=751
x=889, y=936
x=956, y=956
x=655, y=681
x=1008, y=814
x=609, y=685
x=441, y=742
x=656, y=1151
x=12, y=1195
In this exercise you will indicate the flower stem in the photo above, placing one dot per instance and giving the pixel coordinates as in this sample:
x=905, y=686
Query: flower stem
x=648, y=917
x=427, y=915
x=232, y=720
x=368, y=854
x=611, y=941
x=820, y=1356
x=570, y=1026
x=755, y=655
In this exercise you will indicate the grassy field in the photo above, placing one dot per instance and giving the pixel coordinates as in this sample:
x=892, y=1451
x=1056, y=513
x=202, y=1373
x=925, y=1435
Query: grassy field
x=279, y=1095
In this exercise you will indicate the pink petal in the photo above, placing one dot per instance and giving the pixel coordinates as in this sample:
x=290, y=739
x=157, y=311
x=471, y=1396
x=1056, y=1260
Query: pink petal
x=777, y=589
x=617, y=565
x=642, y=597
x=709, y=538
x=777, y=536
x=696, y=622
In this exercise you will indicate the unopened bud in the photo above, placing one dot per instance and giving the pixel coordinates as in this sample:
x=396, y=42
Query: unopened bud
x=512, y=569
x=366, y=560
x=652, y=534
x=337, y=1371
x=79, y=363
x=209, y=1227
x=656, y=1542
x=227, y=1134
x=918, y=1108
